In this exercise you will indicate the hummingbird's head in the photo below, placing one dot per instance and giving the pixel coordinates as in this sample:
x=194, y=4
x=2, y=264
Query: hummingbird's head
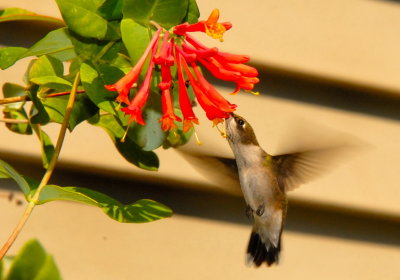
x=239, y=131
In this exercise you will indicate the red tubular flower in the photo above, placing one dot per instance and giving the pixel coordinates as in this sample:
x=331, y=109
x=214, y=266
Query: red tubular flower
x=226, y=66
x=212, y=94
x=213, y=112
x=219, y=71
x=207, y=52
x=188, y=53
x=184, y=102
x=246, y=83
x=211, y=26
x=135, y=107
x=124, y=85
x=165, y=57
x=243, y=69
x=188, y=57
x=168, y=118
x=231, y=58
x=195, y=43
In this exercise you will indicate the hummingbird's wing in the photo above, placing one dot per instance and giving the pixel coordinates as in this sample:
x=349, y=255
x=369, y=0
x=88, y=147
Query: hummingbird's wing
x=301, y=167
x=221, y=170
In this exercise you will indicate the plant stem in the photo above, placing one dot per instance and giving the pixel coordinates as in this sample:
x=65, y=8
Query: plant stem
x=46, y=177
x=17, y=229
x=14, y=99
x=26, y=98
x=6, y=120
x=60, y=139
x=103, y=51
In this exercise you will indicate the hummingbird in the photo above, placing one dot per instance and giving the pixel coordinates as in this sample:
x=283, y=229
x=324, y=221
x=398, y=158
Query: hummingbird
x=264, y=180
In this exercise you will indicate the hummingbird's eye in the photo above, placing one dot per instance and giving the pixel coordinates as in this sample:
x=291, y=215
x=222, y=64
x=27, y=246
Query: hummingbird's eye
x=240, y=122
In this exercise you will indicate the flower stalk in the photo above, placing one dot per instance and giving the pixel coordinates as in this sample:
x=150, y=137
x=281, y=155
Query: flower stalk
x=46, y=177
x=10, y=100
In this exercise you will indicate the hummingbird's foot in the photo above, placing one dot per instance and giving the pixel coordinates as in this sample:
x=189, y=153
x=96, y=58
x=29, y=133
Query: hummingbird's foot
x=260, y=210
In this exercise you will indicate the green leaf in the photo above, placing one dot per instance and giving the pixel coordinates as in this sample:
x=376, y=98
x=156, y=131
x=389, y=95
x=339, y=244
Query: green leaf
x=193, y=12
x=18, y=114
x=94, y=82
x=6, y=171
x=46, y=66
x=48, y=71
x=38, y=113
x=83, y=109
x=53, y=82
x=46, y=145
x=86, y=48
x=12, y=14
x=10, y=55
x=113, y=32
x=122, y=62
x=178, y=137
x=167, y=13
x=89, y=48
x=141, y=211
x=128, y=149
x=13, y=90
x=82, y=17
x=117, y=48
x=149, y=136
x=135, y=37
x=111, y=9
x=56, y=43
x=49, y=270
x=33, y=263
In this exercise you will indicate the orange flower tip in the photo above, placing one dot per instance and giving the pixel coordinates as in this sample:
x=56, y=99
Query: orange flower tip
x=135, y=115
x=227, y=25
x=214, y=16
x=188, y=124
x=216, y=121
x=236, y=91
x=110, y=87
x=122, y=99
x=167, y=124
x=213, y=28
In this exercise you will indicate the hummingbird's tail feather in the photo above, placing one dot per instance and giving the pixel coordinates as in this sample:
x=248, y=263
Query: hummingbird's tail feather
x=259, y=252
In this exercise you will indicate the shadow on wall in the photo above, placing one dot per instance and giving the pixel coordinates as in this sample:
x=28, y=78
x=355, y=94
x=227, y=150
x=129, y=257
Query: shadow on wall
x=304, y=217
x=279, y=83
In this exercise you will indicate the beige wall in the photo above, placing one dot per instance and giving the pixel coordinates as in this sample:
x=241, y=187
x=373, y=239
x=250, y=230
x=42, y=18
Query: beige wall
x=345, y=225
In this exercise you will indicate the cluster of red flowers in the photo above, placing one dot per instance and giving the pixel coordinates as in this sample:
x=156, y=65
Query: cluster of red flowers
x=180, y=48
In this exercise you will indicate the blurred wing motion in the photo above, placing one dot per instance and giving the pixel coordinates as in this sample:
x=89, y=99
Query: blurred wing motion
x=222, y=171
x=298, y=168
x=293, y=169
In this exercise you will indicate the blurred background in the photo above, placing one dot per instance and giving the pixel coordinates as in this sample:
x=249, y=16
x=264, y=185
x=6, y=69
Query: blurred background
x=328, y=70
